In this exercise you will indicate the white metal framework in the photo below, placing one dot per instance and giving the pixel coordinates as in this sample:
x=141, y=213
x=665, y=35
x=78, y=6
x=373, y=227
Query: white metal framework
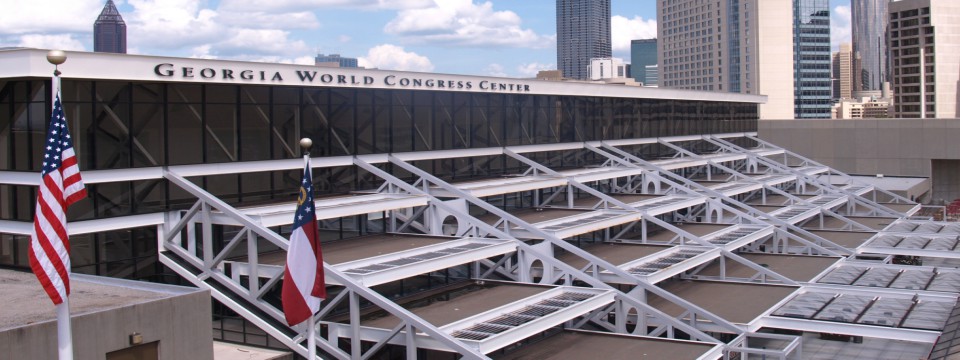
x=624, y=242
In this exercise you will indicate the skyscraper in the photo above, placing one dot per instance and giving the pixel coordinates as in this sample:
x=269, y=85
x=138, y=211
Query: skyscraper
x=843, y=73
x=717, y=46
x=925, y=51
x=583, y=33
x=109, y=31
x=811, y=44
x=869, y=31
x=643, y=53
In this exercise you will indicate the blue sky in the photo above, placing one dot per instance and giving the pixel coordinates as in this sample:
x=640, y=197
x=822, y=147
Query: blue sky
x=514, y=38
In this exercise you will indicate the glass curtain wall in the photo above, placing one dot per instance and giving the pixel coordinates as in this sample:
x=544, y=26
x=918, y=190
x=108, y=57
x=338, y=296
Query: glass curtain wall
x=811, y=42
x=120, y=125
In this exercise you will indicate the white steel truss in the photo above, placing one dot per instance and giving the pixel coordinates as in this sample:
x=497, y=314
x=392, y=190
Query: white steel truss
x=761, y=199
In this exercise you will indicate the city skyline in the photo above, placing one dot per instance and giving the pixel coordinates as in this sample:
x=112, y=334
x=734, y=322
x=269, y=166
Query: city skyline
x=494, y=38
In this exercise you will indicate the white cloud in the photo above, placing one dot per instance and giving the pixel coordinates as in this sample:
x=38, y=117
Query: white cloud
x=839, y=26
x=463, y=23
x=622, y=30
x=495, y=70
x=392, y=57
x=58, y=42
x=260, y=41
x=288, y=5
x=49, y=16
x=172, y=24
x=344, y=38
x=531, y=69
x=265, y=20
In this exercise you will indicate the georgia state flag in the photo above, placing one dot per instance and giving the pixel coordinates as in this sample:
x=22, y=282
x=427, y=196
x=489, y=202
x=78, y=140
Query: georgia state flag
x=303, y=284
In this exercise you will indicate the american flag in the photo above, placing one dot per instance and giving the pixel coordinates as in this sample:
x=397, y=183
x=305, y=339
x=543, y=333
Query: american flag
x=303, y=283
x=60, y=187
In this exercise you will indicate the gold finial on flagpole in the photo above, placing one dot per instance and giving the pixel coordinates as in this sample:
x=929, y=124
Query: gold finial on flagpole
x=56, y=57
x=306, y=143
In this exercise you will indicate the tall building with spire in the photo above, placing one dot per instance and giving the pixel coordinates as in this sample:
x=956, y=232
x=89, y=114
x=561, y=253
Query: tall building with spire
x=109, y=31
x=583, y=33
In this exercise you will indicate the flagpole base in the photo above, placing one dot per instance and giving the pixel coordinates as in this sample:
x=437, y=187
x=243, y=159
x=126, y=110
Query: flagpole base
x=64, y=333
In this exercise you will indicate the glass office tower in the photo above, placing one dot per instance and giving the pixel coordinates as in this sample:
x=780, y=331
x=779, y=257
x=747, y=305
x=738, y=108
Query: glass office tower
x=811, y=32
x=869, y=33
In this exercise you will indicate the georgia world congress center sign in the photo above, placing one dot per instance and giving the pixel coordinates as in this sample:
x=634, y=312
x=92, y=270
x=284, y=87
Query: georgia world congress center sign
x=432, y=82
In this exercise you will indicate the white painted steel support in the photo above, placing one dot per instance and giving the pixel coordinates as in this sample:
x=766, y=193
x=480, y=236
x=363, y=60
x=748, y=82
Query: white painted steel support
x=556, y=242
x=212, y=273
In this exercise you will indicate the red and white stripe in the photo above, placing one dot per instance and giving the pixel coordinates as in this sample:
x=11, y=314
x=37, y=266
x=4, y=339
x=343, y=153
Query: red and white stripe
x=303, y=285
x=49, y=245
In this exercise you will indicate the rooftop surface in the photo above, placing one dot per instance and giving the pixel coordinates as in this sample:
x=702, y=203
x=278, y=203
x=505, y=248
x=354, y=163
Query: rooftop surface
x=577, y=345
x=26, y=303
x=739, y=303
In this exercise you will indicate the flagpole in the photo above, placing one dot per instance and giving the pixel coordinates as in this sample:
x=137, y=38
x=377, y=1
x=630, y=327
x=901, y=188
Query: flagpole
x=64, y=333
x=306, y=143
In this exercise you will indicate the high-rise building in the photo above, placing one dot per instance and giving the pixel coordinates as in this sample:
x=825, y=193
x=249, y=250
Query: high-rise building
x=718, y=46
x=652, y=73
x=109, y=31
x=925, y=57
x=643, y=53
x=869, y=31
x=583, y=33
x=843, y=73
x=811, y=44
x=335, y=60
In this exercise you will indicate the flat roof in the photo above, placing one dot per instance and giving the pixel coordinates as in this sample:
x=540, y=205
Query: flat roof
x=847, y=239
x=363, y=247
x=876, y=223
x=778, y=200
x=18, y=63
x=892, y=183
x=614, y=253
x=795, y=267
x=476, y=301
x=535, y=215
x=25, y=301
x=738, y=303
x=698, y=229
x=626, y=198
x=578, y=345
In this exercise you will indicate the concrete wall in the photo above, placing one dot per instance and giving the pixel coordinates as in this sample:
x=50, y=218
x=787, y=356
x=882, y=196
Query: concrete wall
x=947, y=174
x=181, y=324
x=896, y=147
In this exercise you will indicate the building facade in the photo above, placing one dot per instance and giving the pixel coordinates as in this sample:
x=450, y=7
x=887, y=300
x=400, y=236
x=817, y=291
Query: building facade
x=109, y=31
x=811, y=43
x=718, y=46
x=150, y=112
x=643, y=53
x=607, y=68
x=335, y=60
x=583, y=33
x=843, y=73
x=652, y=76
x=925, y=52
x=869, y=33
x=463, y=216
x=861, y=108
